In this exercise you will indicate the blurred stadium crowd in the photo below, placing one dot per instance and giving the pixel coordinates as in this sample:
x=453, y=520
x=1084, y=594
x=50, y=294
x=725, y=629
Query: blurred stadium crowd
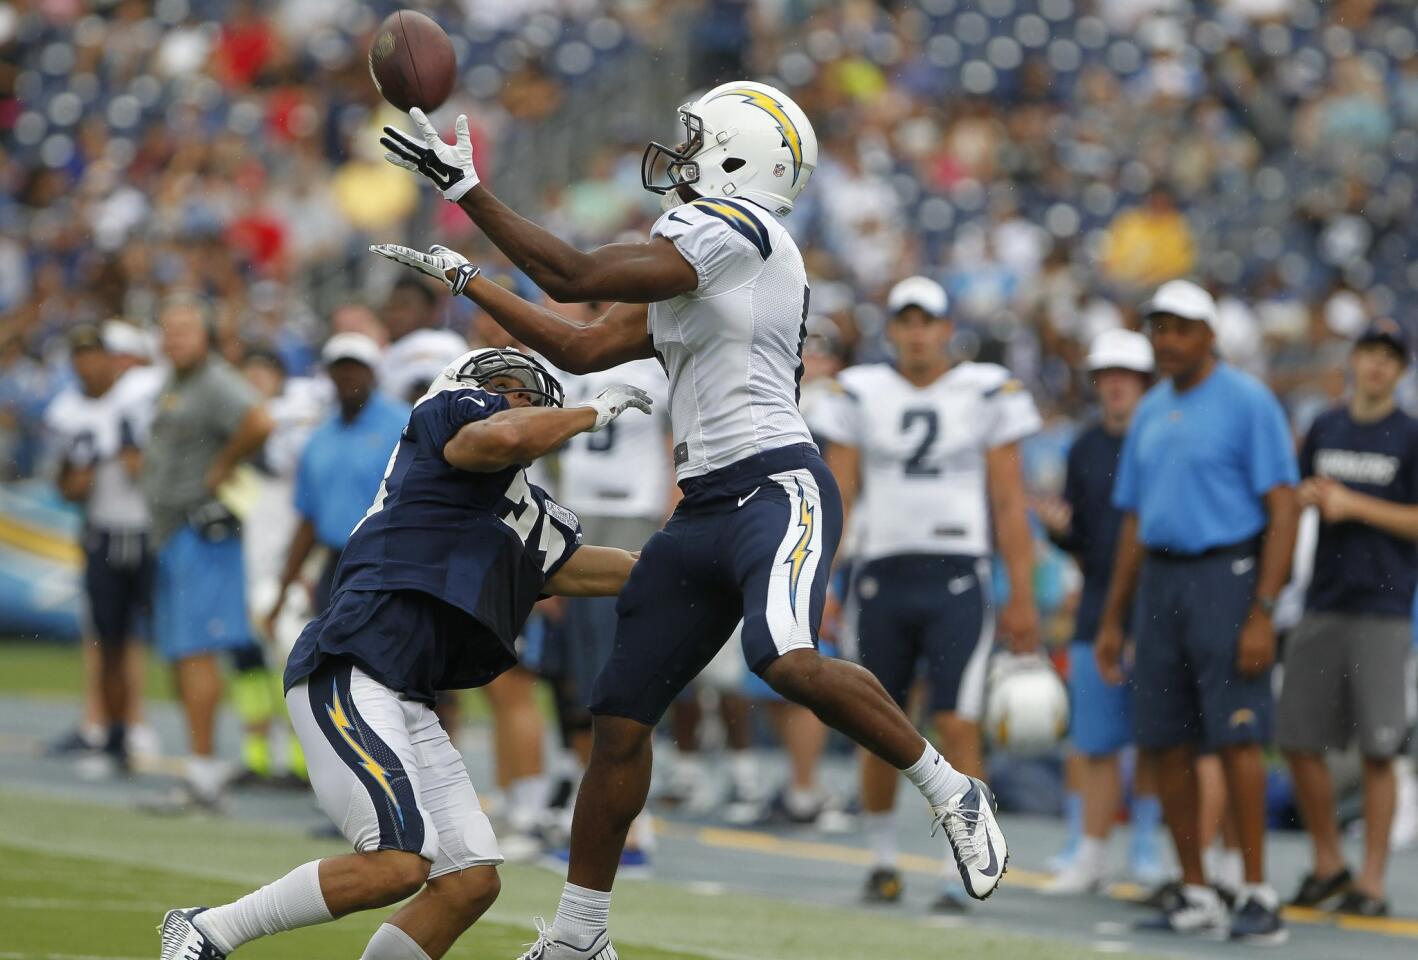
x=1050, y=162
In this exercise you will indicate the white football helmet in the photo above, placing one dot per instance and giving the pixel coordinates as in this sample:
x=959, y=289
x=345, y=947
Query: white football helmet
x=477, y=367
x=742, y=139
x=1026, y=707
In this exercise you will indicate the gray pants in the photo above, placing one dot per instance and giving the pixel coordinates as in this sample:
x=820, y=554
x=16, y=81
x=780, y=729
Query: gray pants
x=1348, y=676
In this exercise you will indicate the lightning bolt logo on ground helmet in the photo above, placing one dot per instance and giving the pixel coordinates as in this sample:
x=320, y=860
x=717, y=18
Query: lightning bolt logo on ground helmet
x=743, y=139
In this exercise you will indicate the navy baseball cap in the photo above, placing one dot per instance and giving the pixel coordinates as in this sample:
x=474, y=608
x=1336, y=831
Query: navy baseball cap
x=1388, y=332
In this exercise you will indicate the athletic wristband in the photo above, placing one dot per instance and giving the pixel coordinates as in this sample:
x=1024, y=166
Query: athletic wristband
x=464, y=276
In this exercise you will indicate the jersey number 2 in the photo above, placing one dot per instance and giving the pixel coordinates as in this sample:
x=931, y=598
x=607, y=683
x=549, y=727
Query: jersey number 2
x=916, y=465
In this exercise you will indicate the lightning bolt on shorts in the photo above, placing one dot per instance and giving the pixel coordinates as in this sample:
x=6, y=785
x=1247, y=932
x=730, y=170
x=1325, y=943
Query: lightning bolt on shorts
x=386, y=773
x=751, y=541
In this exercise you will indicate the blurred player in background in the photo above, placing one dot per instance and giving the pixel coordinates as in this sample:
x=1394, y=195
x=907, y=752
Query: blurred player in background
x=619, y=482
x=719, y=294
x=434, y=585
x=208, y=421
x=1085, y=523
x=1206, y=482
x=1349, y=664
x=418, y=348
x=98, y=469
x=928, y=451
x=340, y=468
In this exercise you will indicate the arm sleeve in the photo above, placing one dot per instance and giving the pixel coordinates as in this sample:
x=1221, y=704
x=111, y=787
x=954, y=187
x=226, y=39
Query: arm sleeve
x=1307, y=453
x=567, y=527
x=436, y=419
x=723, y=256
x=1127, y=483
x=231, y=399
x=305, y=495
x=1271, y=451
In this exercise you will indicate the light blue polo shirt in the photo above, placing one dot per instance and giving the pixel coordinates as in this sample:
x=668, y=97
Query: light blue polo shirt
x=342, y=466
x=1196, y=465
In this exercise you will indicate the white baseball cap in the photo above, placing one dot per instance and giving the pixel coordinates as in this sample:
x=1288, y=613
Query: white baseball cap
x=121, y=337
x=1120, y=350
x=1182, y=298
x=920, y=292
x=351, y=346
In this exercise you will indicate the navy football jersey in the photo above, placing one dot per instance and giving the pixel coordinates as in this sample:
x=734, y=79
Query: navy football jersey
x=1358, y=568
x=482, y=544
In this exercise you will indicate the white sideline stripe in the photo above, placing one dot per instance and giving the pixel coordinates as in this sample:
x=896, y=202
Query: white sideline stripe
x=7, y=955
x=52, y=903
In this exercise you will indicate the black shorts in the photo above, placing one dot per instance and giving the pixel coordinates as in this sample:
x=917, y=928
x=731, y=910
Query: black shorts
x=118, y=583
x=751, y=541
x=931, y=614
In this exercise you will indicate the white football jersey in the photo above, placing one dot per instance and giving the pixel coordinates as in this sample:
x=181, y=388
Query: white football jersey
x=622, y=470
x=732, y=347
x=924, y=483
x=411, y=363
x=92, y=431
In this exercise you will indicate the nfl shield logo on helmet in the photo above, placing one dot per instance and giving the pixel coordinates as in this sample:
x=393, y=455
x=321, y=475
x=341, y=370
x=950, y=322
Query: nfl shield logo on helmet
x=779, y=169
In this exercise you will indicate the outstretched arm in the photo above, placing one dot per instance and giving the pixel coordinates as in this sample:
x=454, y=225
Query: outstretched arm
x=617, y=336
x=523, y=434
x=628, y=272
x=592, y=572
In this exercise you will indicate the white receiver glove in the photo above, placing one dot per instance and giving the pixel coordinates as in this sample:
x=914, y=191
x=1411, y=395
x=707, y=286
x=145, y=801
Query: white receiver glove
x=439, y=262
x=448, y=165
x=615, y=400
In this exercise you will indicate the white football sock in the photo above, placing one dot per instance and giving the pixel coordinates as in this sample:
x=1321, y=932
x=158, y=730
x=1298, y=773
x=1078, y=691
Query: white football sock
x=1229, y=870
x=206, y=776
x=527, y=802
x=582, y=915
x=291, y=902
x=881, y=837
x=391, y=943
x=937, y=780
x=1092, y=855
x=1260, y=892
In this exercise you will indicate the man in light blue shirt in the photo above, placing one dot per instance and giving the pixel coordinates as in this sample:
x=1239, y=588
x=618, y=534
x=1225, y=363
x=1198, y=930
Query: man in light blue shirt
x=343, y=463
x=1206, y=483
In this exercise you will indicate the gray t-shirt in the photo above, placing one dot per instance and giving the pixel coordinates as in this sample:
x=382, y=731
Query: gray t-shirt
x=197, y=413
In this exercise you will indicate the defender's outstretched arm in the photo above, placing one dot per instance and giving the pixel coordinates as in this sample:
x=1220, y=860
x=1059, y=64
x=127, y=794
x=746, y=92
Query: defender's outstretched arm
x=592, y=572
x=523, y=434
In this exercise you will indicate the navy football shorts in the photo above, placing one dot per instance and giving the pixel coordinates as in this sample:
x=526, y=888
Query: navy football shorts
x=1186, y=626
x=919, y=611
x=118, y=584
x=751, y=541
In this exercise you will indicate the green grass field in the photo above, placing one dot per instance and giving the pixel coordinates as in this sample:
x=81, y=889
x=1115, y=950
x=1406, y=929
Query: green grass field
x=81, y=880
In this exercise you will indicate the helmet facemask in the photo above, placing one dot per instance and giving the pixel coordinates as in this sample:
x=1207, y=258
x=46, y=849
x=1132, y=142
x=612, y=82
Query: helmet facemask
x=679, y=167
x=485, y=365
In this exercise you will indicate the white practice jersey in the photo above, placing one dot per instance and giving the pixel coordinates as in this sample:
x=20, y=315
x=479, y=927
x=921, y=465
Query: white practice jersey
x=92, y=432
x=924, y=483
x=622, y=470
x=732, y=347
x=411, y=363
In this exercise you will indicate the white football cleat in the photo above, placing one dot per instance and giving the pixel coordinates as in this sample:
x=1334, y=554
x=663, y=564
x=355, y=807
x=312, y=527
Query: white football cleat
x=975, y=838
x=1075, y=879
x=183, y=941
x=548, y=947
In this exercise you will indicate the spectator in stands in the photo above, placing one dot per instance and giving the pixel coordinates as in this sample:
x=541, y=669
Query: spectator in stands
x=341, y=467
x=1149, y=244
x=1206, y=482
x=1085, y=523
x=208, y=421
x=1348, y=664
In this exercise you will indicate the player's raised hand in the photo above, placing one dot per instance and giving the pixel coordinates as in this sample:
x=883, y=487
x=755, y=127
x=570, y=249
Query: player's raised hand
x=450, y=266
x=615, y=400
x=448, y=165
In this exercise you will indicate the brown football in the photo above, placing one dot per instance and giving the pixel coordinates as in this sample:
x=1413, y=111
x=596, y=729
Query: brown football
x=412, y=62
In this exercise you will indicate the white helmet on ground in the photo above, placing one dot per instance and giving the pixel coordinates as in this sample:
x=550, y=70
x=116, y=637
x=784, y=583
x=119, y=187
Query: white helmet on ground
x=742, y=139
x=476, y=367
x=1026, y=710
